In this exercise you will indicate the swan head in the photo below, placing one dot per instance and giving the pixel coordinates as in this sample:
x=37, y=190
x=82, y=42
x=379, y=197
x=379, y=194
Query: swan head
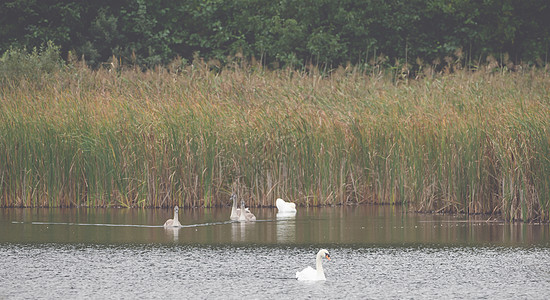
x=176, y=208
x=233, y=197
x=324, y=252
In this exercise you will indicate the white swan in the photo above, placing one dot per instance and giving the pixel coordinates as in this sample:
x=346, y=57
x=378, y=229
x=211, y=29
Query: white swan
x=173, y=222
x=311, y=274
x=286, y=215
x=285, y=207
x=245, y=215
x=235, y=212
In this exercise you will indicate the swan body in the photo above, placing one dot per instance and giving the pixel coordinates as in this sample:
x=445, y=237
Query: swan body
x=285, y=215
x=173, y=222
x=245, y=215
x=284, y=206
x=314, y=274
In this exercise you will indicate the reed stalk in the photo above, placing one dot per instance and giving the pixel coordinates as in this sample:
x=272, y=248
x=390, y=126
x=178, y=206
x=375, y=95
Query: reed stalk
x=470, y=142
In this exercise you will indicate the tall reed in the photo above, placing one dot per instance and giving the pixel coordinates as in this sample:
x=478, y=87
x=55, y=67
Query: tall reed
x=472, y=142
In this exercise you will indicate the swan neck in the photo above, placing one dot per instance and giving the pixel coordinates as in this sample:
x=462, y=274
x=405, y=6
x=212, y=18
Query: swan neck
x=242, y=215
x=319, y=264
x=234, y=209
x=175, y=217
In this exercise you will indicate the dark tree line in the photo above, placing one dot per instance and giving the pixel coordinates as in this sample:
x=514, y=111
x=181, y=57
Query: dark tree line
x=285, y=32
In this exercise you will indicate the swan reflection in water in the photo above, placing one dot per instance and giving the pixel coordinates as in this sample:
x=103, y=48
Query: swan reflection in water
x=286, y=226
x=238, y=231
x=173, y=232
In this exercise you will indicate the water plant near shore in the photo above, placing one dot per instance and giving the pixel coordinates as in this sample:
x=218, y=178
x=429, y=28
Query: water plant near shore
x=472, y=142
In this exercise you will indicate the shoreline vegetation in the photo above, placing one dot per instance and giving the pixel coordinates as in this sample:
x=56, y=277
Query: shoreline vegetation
x=456, y=141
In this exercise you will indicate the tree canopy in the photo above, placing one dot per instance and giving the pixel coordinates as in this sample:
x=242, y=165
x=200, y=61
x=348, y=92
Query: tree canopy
x=286, y=32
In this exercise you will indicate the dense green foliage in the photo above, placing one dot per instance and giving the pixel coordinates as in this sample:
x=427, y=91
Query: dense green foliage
x=284, y=32
x=36, y=65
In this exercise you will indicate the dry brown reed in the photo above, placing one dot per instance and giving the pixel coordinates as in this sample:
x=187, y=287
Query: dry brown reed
x=471, y=142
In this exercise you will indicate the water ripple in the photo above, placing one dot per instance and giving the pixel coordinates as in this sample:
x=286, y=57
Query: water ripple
x=48, y=271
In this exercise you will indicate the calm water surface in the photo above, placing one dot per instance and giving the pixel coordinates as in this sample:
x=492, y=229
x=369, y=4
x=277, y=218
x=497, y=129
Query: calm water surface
x=377, y=252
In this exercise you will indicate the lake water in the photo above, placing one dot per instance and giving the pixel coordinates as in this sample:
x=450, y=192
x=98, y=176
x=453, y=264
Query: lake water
x=378, y=252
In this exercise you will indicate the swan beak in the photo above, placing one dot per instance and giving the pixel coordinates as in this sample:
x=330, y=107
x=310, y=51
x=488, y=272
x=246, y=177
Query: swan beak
x=327, y=256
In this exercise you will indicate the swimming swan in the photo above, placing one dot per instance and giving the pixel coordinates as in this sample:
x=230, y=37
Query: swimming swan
x=311, y=274
x=283, y=206
x=235, y=212
x=173, y=222
x=245, y=215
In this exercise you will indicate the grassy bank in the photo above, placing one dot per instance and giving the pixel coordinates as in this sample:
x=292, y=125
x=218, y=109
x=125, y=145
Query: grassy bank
x=463, y=142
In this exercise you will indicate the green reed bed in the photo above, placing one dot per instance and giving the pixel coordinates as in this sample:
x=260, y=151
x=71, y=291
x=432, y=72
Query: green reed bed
x=463, y=142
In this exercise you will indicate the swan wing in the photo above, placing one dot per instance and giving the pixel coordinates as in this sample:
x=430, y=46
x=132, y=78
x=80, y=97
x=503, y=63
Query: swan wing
x=169, y=223
x=308, y=273
x=280, y=204
x=284, y=206
x=291, y=207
